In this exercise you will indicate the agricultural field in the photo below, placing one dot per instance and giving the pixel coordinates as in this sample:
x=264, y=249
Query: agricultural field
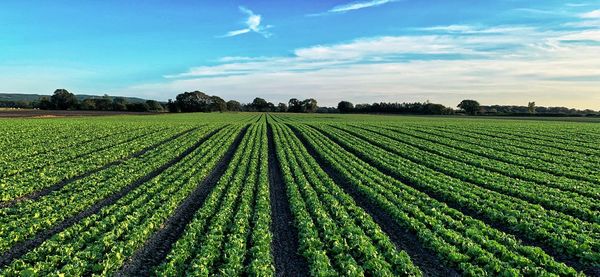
x=259, y=194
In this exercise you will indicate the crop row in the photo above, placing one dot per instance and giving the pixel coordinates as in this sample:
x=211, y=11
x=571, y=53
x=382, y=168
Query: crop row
x=444, y=146
x=230, y=234
x=25, y=219
x=560, y=137
x=527, y=146
x=56, y=140
x=572, y=237
x=40, y=161
x=69, y=164
x=101, y=243
x=464, y=243
x=450, y=162
x=496, y=151
x=539, y=161
x=336, y=236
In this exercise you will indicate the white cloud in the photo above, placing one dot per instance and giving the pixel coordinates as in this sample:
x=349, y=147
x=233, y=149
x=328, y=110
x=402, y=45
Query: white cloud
x=538, y=66
x=593, y=14
x=253, y=23
x=355, y=6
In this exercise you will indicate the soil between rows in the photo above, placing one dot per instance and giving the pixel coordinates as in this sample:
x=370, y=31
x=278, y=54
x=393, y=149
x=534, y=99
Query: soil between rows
x=43, y=192
x=558, y=256
x=158, y=246
x=22, y=248
x=288, y=261
x=428, y=262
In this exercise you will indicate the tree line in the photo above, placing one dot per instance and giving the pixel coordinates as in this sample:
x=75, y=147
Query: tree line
x=197, y=101
x=62, y=99
x=425, y=108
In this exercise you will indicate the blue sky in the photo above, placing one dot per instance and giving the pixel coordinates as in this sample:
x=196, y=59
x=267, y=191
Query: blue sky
x=505, y=51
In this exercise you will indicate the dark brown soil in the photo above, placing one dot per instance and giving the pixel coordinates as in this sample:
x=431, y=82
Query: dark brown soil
x=17, y=113
x=160, y=243
x=288, y=261
x=20, y=249
x=43, y=192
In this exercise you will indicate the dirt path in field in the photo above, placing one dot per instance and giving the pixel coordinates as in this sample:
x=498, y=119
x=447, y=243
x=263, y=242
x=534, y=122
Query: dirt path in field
x=43, y=192
x=404, y=239
x=21, y=248
x=160, y=243
x=558, y=256
x=288, y=261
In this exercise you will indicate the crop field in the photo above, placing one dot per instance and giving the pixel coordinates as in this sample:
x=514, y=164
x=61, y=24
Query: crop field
x=238, y=194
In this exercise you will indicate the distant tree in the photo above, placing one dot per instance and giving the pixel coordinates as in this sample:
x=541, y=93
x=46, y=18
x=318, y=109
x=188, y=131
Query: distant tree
x=138, y=107
x=88, y=104
x=195, y=101
x=45, y=104
x=63, y=100
x=531, y=107
x=294, y=105
x=154, y=106
x=309, y=105
x=282, y=107
x=345, y=107
x=119, y=104
x=217, y=104
x=234, y=106
x=327, y=110
x=172, y=106
x=260, y=105
x=471, y=107
x=104, y=103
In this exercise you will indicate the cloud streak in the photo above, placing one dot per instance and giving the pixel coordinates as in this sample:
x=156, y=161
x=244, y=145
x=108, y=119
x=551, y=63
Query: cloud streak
x=354, y=6
x=444, y=66
x=253, y=24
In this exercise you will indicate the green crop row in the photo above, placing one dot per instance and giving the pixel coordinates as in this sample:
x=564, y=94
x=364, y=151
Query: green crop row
x=25, y=219
x=330, y=223
x=442, y=145
x=47, y=171
x=233, y=225
x=565, y=234
x=528, y=146
x=462, y=242
x=503, y=152
x=451, y=163
x=101, y=243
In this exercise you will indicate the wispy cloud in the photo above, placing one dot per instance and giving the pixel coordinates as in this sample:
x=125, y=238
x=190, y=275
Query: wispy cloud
x=253, y=24
x=493, y=64
x=593, y=14
x=355, y=6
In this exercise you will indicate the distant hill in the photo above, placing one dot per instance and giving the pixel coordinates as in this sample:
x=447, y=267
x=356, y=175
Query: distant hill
x=34, y=97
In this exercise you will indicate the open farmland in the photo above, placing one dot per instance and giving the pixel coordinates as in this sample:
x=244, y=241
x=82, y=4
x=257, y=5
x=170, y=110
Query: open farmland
x=295, y=195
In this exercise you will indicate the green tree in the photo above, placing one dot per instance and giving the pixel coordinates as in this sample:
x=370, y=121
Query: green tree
x=119, y=104
x=218, y=104
x=195, y=101
x=471, y=107
x=63, y=100
x=154, y=106
x=294, y=105
x=345, y=107
x=234, y=106
x=104, y=103
x=45, y=103
x=88, y=104
x=531, y=107
x=282, y=107
x=260, y=105
x=309, y=105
